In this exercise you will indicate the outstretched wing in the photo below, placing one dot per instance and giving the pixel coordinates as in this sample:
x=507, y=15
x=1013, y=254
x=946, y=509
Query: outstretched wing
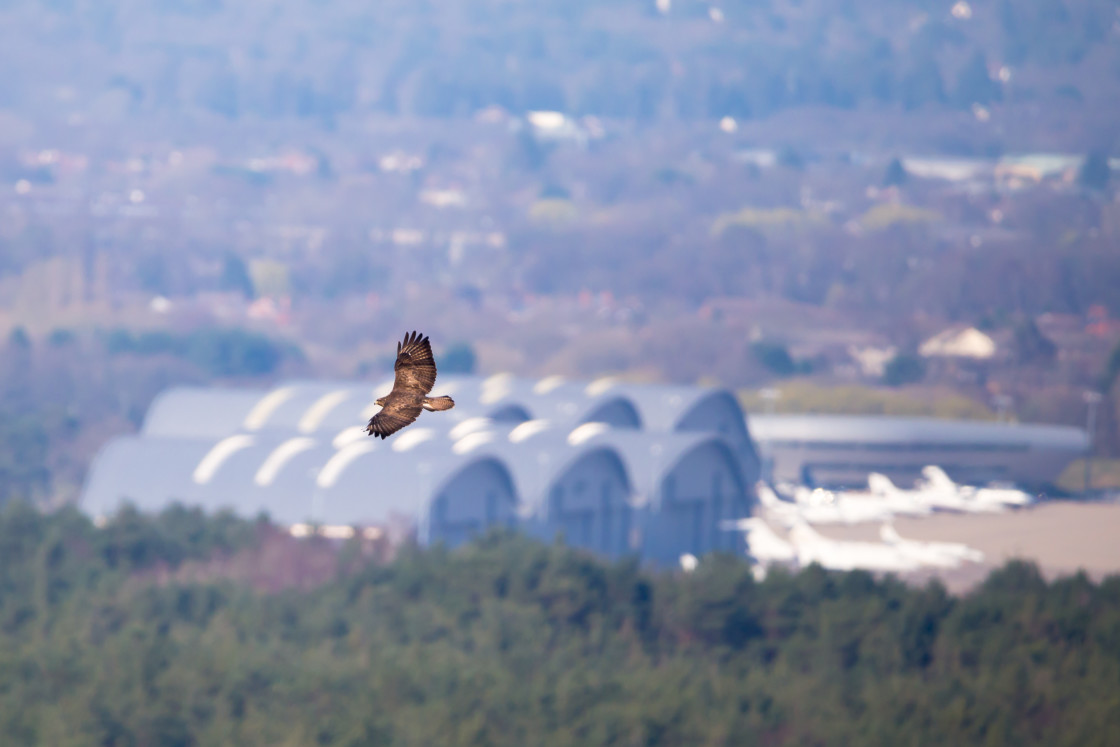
x=415, y=376
x=415, y=367
x=396, y=414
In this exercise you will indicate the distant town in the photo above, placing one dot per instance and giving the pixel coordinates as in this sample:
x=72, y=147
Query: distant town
x=917, y=216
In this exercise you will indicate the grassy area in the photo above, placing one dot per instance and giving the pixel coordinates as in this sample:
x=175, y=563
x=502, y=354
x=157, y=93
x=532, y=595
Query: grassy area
x=886, y=215
x=1105, y=474
x=766, y=218
x=553, y=211
x=806, y=397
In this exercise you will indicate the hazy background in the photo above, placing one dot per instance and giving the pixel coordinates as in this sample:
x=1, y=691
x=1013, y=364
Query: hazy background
x=789, y=198
x=748, y=193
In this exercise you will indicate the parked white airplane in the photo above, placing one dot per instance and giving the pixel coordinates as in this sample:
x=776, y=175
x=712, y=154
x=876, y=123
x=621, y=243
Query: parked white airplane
x=941, y=554
x=898, y=505
x=766, y=548
x=1007, y=496
x=763, y=544
x=846, y=556
x=782, y=511
x=937, y=491
x=818, y=506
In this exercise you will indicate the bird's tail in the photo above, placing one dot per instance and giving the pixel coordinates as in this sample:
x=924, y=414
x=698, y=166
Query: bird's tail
x=438, y=403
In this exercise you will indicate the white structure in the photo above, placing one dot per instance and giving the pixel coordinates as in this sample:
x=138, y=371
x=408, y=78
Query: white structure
x=938, y=554
x=840, y=450
x=838, y=555
x=936, y=491
x=617, y=469
x=959, y=343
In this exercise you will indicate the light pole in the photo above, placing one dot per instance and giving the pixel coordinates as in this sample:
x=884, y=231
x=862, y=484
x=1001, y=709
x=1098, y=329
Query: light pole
x=1092, y=399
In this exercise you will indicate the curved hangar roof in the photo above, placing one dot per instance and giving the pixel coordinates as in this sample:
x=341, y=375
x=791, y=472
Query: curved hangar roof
x=295, y=479
x=607, y=458
x=303, y=406
x=311, y=407
x=600, y=486
x=654, y=407
x=647, y=407
x=308, y=407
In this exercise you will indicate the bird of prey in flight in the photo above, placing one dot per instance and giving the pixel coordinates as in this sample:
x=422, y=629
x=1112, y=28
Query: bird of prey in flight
x=415, y=371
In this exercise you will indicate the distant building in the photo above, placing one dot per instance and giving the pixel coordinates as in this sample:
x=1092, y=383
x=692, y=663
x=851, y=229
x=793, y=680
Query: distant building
x=615, y=468
x=1036, y=167
x=556, y=127
x=872, y=361
x=948, y=169
x=840, y=450
x=443, y=198
x=959, y=343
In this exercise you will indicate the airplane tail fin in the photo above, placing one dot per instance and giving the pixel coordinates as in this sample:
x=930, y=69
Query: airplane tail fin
x=880, y=484
x=889, y=534
x=937, y=478
x=801, y=533
x=766, y=495
x=438, y=403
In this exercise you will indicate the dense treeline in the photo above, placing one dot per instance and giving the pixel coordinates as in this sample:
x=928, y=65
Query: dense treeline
x=103, y=640
x=217, y=352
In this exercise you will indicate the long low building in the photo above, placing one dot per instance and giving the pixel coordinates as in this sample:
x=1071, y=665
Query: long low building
x=840, y=450
x=618, y=469
x=317, y=407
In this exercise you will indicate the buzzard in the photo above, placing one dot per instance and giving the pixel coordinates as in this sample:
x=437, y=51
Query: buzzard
x=415, y=376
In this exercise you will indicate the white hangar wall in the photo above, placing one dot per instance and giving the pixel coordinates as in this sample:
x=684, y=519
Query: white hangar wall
x=589, y=503
x=299, y=452
x=199, y=412
x=481, y=496
x=840, y=450
x=689, y=483
x=702, y=490
x=360, y=484
x=149, y=473
x=647, y=407
x=565, y=487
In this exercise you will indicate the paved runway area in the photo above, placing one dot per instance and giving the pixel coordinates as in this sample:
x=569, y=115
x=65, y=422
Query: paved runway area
x=1060, y=536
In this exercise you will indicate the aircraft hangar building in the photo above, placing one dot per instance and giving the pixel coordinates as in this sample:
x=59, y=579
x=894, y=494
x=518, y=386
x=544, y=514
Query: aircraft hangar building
x=299, y=452
x=689, y=483
x=581, y=491
x=840, y=450
x=616, y=467
x=650, y=408
x=298, y=479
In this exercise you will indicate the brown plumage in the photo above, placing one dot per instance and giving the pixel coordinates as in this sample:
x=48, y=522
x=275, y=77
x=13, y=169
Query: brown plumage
x=415, y=376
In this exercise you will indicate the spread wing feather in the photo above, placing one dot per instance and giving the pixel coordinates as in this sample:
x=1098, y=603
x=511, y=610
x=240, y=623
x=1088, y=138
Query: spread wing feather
x=415, y=367
x=392, y=417
x=415, y=376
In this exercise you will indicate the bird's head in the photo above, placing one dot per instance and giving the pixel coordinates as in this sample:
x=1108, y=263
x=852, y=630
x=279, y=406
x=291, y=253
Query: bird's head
x=380, y=402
